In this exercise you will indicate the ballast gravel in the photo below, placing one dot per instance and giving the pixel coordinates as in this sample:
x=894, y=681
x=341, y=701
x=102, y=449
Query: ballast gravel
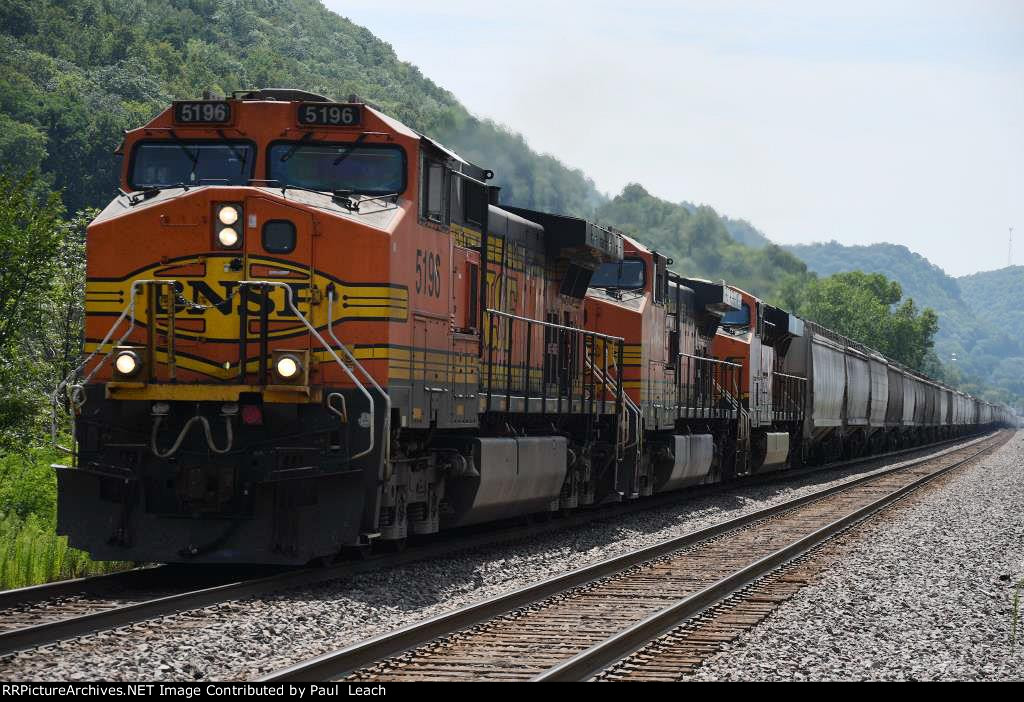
x=247, y=638
x=923, y=594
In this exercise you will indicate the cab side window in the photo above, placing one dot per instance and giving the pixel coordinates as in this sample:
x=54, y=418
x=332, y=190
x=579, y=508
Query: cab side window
x=474, y=203
x=434, y=191
x=660, y=279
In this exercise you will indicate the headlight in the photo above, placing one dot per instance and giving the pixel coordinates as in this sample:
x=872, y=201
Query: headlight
x=228, y=215
x=227, y=236
x=288, y=367
x=127, y=363
x=227, y=225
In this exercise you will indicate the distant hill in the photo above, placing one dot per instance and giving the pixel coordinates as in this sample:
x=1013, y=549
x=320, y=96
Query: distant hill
x=996, y=296
x=978, y=319
x=746, y=233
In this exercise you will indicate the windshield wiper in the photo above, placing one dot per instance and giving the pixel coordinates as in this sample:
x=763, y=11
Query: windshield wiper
x=240, y=155
x=292, y=186
x=350, y=149
x=295, y=147
x=193, y=157
x=151, y=191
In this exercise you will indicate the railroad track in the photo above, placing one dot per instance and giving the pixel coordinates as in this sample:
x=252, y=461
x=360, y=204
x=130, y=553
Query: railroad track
x=44, y=614
x=581, y=624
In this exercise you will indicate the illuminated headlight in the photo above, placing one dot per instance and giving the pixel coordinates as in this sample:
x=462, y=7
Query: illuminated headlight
x=127, y=363
x=227, y=225
x=227, y=236
x=228, y=215
x=288, y=367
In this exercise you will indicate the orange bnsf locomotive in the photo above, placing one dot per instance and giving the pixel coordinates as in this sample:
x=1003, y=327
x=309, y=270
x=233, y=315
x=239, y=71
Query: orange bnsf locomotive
x=311, y=328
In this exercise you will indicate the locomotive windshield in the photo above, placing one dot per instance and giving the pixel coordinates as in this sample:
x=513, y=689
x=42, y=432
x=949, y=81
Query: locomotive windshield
x=737, y=318
x=627, y=274
x=371, y=170
x=174, y=162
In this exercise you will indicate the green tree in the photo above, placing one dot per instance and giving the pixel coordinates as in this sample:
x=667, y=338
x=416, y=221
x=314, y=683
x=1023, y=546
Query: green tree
x=866, y=307
x=30, y=237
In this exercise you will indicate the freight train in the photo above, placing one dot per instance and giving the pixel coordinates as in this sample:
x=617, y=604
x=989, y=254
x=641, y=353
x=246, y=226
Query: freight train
x=310, y=328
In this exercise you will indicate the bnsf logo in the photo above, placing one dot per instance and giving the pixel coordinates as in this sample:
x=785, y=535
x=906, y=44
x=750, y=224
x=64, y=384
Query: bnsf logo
x=208, y=304
x=195, y=297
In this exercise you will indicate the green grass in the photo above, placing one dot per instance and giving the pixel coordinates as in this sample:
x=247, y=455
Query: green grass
x=30, y=550
x=31, y=553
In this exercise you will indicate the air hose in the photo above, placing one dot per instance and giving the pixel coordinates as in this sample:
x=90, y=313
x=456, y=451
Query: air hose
x=184, y=432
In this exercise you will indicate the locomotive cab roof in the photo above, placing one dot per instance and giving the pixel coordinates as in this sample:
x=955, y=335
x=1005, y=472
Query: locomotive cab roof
x=373, y=123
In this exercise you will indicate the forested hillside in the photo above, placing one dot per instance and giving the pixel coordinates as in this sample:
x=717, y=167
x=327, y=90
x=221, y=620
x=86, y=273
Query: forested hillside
x=74, y=75
x=994, y=298
x=976, y=314
x=699, y=241
x=746, y=233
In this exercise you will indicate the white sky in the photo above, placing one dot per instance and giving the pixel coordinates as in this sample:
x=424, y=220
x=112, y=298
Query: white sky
x=866, y=121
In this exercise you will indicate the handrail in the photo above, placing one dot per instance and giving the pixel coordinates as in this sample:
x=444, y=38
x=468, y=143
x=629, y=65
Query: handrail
x=720, y=373
x=709, y=359
x=129, y=312
x=570, y=378
x=362, y=369
x=76, y=395
x=788, y=395
x=554, y=325
x=627, y=402
x=312, y=330
x=729, y=395
x=791, y=377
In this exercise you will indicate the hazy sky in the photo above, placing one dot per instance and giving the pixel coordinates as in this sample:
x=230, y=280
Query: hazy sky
x=859, y=121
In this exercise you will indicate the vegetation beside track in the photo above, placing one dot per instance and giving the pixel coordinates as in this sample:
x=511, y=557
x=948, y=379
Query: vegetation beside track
x=41, y=287
x=30, y=550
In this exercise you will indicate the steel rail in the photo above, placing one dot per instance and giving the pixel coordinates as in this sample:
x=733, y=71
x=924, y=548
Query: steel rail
x=600, y=656
x=335, y=664
x=22, y=596
x=19, y=597
x=448, y=544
